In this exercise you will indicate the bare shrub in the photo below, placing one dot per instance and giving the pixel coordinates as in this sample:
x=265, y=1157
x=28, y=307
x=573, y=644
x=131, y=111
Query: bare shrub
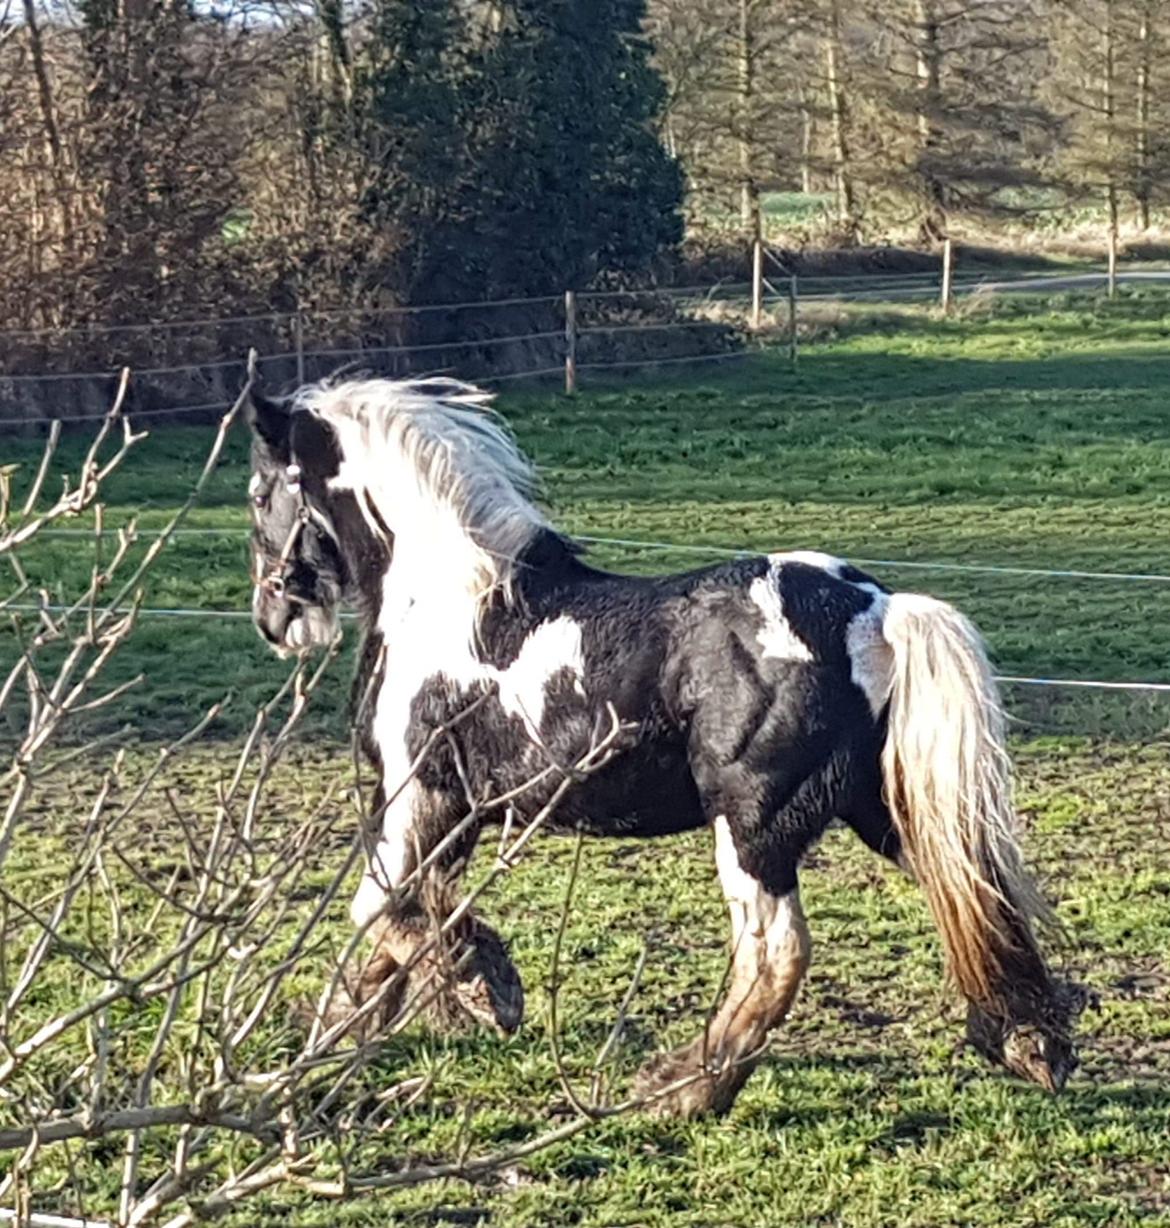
x=151, y=1064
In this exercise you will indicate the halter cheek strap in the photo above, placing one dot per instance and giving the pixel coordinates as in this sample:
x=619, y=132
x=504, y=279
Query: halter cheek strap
x=274, y=582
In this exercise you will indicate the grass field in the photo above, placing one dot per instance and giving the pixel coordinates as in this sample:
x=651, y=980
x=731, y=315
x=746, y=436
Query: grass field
x=1031, y=437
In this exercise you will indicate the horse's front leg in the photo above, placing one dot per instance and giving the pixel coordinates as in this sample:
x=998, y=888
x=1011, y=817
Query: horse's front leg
x=411, y=886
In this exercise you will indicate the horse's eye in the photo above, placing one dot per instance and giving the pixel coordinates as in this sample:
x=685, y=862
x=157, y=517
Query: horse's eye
x=259, y=500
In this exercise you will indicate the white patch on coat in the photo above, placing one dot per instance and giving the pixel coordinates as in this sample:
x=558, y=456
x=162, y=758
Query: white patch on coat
x=552, y=647
x=776, y=637
x=758, y=918
x=810, y=558
x=871, y=662
x=427, y=636
x=254, y=484
x=387, y=870
x=430, y=635
x=428, y=461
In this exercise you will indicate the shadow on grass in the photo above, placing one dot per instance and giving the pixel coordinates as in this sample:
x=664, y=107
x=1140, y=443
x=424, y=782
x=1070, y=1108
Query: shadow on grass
x=830, y=372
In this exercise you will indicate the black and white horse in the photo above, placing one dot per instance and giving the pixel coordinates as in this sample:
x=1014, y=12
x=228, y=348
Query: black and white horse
x=767, y=696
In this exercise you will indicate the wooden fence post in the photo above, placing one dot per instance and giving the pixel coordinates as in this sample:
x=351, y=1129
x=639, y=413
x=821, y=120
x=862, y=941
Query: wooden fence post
x=570, y=342
x=793, y=340
x=757, y=283
x=1111, y=279
x=299, y=344
x=948, y=266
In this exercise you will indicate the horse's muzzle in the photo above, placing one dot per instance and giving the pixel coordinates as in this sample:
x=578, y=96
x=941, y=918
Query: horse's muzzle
x=291, y=626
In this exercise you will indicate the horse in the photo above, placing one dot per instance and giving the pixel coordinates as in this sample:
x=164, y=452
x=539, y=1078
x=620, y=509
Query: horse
x=762, y=698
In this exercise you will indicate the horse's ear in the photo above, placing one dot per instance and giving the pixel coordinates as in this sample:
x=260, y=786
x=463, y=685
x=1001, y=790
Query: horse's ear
x=315, y=442
x=270, y=420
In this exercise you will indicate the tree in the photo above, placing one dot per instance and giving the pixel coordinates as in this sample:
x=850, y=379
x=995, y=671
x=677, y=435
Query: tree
x=574, y=179
x=964, y=124
x=156, y=149
x=837, y=91
x=471, y=150
x=907, y=109
x=408, y=107
x=739, y=92
x=1108, y=57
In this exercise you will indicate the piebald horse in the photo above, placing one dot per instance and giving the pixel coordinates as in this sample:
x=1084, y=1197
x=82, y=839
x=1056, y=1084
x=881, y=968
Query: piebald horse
x=762, y=698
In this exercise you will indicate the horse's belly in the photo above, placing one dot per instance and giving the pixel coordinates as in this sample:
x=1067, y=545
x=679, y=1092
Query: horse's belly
x=647, y=791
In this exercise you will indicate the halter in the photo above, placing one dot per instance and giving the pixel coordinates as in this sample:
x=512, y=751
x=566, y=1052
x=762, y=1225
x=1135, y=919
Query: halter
x=274, y=582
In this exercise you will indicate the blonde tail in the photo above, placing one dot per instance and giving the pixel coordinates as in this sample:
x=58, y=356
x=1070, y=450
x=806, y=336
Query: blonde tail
x=948, y=787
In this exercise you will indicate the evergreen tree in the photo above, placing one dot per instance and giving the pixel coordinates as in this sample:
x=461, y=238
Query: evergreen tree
x=404, y=112
x=957, y=120
x=574, y=178
x=496, y=148
x=741, y=97
x=1110, y=81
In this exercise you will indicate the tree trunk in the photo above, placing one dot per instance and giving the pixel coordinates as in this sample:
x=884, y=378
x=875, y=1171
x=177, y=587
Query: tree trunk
x=1142, y=132
x=838, y=109
x=749, y=203
x=668, y=132
x=1109, y=113
x=52, y=128
x=928, y=55
x=806, y=140
x=331, y=14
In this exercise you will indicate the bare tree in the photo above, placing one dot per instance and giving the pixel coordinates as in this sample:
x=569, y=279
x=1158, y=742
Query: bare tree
x=836, y=89
x=1142, y=132
x=1108, y=56
x=742, y=103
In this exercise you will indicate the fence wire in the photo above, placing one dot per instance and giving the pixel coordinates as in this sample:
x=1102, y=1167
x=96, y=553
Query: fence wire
x=861, y=288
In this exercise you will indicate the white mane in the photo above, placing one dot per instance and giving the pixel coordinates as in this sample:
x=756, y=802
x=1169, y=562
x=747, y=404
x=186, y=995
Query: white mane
x=440, y=469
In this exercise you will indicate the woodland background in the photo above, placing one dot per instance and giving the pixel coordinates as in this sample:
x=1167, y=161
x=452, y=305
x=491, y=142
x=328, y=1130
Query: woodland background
x=161, y=159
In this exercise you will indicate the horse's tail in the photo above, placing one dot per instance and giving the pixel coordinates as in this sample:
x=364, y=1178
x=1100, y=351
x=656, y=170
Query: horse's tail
x=948, y=787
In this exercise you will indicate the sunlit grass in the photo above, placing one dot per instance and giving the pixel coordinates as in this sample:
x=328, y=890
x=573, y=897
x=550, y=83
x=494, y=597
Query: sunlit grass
x=1034, y=437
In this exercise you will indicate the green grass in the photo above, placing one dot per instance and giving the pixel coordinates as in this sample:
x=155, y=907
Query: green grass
x=864, y=1113
x=784, y=209
x=1033, y=437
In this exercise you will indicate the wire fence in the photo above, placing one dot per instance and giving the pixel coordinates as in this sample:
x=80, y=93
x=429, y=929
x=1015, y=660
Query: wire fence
x=492, y=341
x=594, y=331
x=636, y=543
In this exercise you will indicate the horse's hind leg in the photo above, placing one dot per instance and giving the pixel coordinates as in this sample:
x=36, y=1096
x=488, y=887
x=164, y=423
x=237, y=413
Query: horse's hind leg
x=770, y=955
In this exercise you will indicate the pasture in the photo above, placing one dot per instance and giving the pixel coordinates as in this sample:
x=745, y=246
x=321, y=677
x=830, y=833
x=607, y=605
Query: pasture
x=1032, y=436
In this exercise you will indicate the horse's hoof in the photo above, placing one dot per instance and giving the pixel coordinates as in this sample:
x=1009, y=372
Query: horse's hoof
x=486, y=991
x=1039, y=1049
x=489, y=988
x=1039, y=1054
x=676, y=1085
x=342, y=1011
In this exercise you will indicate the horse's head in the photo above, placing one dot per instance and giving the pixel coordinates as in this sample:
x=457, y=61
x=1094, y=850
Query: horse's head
x=313, y=545
x=300, y=574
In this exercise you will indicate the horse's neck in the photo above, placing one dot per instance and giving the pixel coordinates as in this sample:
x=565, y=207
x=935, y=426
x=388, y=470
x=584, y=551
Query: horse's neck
x=424, y=604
